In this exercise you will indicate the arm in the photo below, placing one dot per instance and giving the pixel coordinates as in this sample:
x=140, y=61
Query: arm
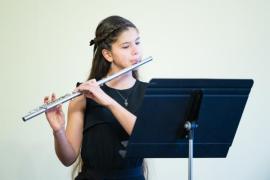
x=124, y=117
x=67, y=142
x=92, y=90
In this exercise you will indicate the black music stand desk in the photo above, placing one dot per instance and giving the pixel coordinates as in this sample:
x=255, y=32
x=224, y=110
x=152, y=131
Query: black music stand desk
x=179, y=115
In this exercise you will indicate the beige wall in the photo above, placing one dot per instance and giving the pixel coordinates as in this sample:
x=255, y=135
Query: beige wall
x=44, y=49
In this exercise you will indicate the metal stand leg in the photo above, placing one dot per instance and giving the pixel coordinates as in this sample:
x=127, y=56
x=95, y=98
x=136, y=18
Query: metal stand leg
x=190, y=127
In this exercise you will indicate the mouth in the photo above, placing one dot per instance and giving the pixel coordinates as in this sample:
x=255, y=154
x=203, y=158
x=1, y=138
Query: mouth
x=135, y=61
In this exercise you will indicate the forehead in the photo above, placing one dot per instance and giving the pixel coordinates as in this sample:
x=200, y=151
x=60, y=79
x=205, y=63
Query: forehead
x=131, y=34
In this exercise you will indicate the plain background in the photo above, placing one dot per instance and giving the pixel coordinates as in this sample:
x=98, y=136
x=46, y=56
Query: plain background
x=44, y=49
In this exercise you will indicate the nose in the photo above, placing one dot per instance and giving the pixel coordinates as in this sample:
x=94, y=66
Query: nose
x=135, y=49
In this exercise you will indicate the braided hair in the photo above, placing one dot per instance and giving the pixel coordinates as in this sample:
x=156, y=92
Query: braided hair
x=107, y=33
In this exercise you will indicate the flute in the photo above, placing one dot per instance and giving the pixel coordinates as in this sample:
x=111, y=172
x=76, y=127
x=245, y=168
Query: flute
x=47, y=106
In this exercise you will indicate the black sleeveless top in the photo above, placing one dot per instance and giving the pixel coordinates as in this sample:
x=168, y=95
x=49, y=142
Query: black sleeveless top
x=103, y=135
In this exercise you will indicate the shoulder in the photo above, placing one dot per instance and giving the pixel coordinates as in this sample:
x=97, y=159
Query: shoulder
x=140, y=87
x=142, y=84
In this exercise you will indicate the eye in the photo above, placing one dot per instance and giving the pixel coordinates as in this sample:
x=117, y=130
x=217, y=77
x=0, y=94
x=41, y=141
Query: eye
x=138, y=42
x=125, y=47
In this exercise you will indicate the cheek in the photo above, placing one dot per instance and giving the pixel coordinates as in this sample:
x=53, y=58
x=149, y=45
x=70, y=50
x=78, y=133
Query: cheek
x=122, y=53
x=140, y=50
x=118, y=55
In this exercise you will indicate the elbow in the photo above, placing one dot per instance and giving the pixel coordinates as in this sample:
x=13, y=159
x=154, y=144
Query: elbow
x=67, y=159
x=67, y=163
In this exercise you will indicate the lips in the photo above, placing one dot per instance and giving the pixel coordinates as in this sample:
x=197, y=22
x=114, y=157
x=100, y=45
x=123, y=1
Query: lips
x=134, y=61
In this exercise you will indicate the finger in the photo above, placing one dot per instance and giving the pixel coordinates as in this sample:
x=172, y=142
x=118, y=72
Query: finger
x=58, y=109
x=46, y=99
x=91, y=81
x=75, y=90
x=60, y=112
x=95, y=83
x=53, y=97
x=59, y=106
x=79, y=88
x=84, y=87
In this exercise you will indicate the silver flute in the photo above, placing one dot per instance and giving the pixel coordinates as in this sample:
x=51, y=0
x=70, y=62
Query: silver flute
x=47, y=106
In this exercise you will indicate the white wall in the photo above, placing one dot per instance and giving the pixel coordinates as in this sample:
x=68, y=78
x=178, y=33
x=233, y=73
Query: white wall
x=44, y=48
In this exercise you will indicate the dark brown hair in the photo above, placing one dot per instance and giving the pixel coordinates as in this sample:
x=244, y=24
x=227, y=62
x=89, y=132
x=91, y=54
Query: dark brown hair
x=107, y=33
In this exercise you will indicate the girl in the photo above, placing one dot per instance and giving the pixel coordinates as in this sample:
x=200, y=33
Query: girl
x=100, y=120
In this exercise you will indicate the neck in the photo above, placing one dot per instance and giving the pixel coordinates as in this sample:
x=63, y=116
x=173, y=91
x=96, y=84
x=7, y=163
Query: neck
x=124, y=81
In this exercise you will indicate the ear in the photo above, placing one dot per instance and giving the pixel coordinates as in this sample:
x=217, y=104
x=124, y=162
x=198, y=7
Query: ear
x=107, y=55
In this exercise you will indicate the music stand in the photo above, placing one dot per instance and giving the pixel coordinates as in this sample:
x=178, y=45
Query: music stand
x=173, y=108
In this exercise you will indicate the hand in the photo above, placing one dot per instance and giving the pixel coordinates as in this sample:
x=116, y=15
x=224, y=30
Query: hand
x=55, y=116
x=92, y=90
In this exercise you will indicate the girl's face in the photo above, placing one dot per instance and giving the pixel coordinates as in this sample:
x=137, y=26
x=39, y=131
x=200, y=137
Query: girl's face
x=126, y=51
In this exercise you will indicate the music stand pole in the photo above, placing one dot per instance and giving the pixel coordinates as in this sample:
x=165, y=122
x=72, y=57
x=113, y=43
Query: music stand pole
x=190, y=128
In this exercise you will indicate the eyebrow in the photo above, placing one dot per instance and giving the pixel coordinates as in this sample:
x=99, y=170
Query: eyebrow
x=138, y=38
